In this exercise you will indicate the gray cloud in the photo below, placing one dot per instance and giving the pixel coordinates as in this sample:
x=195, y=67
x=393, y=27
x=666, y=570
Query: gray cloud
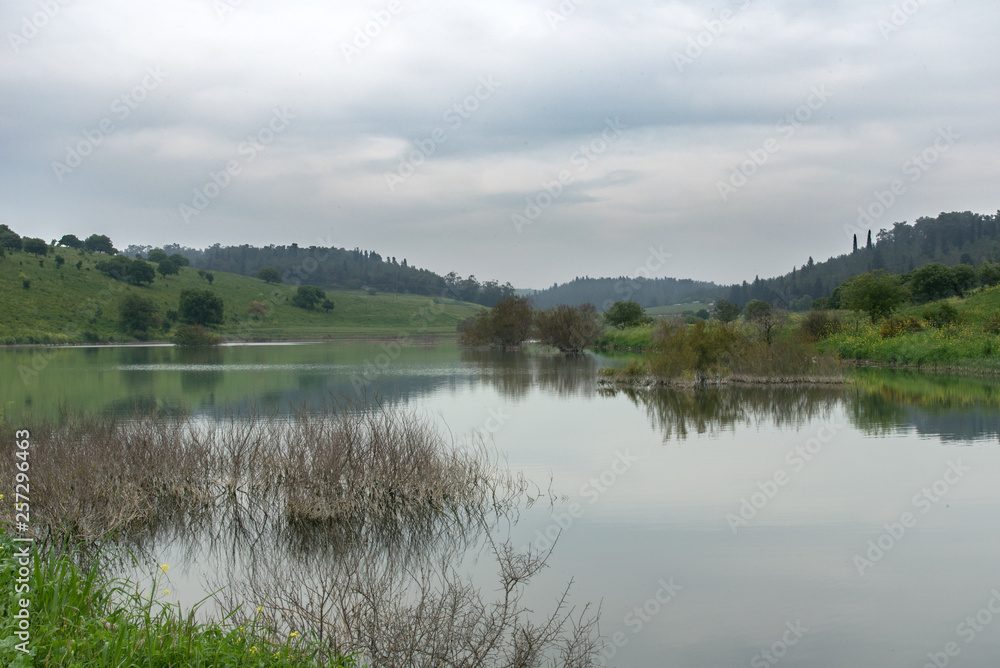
x=694, y=114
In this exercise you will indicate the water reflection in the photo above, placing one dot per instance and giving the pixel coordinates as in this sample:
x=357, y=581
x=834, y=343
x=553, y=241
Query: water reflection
x=513, y=374
x=679, y=413
x=877, y=403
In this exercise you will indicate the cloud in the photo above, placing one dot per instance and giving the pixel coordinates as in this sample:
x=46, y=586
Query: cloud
x=701, y=87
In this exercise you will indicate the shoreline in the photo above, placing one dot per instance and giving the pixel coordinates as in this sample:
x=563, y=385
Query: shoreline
x=424, y=339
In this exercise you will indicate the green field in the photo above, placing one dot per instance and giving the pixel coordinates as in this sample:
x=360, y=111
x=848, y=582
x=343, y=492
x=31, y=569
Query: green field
x=675, y=309
x=70, y=305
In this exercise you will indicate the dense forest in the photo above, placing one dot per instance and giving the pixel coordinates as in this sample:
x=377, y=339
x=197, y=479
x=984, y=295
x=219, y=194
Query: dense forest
x=603, y=292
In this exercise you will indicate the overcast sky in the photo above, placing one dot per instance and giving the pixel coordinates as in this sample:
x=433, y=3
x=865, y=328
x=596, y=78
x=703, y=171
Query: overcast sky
x=530, y=142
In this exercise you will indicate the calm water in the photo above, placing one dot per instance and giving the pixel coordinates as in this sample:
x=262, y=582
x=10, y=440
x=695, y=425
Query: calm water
x=816, y=527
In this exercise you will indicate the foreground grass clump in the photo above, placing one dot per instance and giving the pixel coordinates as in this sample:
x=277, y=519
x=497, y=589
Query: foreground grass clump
x=80, y=618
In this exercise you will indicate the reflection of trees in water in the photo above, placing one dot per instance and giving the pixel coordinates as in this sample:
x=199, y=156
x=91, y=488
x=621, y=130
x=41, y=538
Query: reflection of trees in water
x=953, y=408
x=876, y=403
x=514, y=374
x=679, y=412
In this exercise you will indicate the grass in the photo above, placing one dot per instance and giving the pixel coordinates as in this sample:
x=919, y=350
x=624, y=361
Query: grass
x=70, y=305
x=964, y=344
x=78, y=617
x=675, y=309
x=631, y=339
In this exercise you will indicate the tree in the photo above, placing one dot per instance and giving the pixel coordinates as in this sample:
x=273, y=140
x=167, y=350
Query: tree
x=989, y=273
x=855, y=249
x=876, y=293
x=70, y=241
x=34, y=246
x=60, y=261
x=137, y=314
x=99, y=243
x=764, y=317
x=328, y=305
x=725, y=312
x=157, y=255
x=122, y=268
x=168, y=266
x=505, y=326
x=269, y=275
x=180, y=260
x=869, y=245
x=569, y=328
x=308, y=296
x=963, y=277
x=200, y=307
x=9, y=239
x=210, y=277
x=932, y=281
x=140, y=271
x=624, y=314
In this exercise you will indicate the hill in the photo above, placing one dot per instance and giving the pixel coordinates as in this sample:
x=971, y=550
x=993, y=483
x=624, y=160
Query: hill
x=41, y=302
x=333, y=268
x=950, y=238
x=649, y=292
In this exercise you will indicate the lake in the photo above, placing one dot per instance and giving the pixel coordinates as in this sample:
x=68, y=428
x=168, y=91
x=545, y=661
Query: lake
x=821, y=526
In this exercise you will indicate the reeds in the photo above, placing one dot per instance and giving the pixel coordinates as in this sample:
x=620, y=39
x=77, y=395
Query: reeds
x=349, y=464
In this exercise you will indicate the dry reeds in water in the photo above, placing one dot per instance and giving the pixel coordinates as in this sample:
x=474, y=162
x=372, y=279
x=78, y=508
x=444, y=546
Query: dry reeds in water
x=353, y=465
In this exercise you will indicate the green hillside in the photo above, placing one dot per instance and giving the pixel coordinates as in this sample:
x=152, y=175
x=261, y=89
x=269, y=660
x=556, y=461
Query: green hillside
x=971, y=340
x=76, y=305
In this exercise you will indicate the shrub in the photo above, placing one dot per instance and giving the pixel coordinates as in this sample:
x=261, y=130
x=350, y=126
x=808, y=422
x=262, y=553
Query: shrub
x=506, y=325
x=818, y=325
x=569, y=328
x=896, y=325
x=944, y=314
x=195, y=335
x=992, y=323
x=308, y=296
x=257, y=309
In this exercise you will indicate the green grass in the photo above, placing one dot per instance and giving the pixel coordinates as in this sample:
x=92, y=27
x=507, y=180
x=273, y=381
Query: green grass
x=964, y=344
x=632, y=338
x=70, y=305
x=78, y=618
